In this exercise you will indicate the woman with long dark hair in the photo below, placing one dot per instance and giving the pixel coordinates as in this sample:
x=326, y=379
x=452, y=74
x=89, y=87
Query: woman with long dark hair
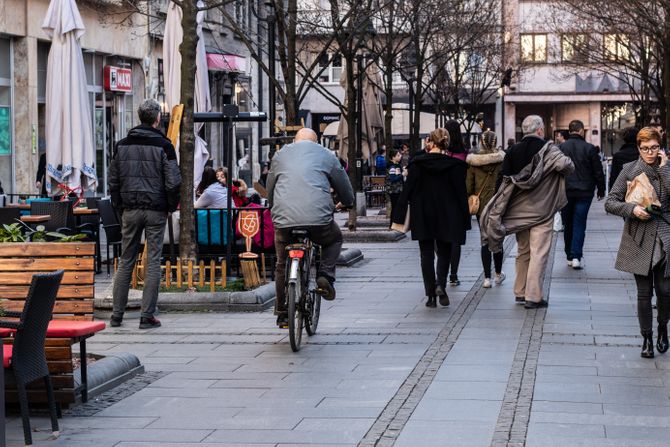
x=211, y=191
x=438, y=207
x=457, y=150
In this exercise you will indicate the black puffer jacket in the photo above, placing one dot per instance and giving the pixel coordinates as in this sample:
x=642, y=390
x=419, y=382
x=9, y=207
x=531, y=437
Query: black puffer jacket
x=626, y=154
x=588, y=174
x=144, y=173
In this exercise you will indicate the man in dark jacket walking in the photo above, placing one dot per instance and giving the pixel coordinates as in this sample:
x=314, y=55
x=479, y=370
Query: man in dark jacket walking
x=626, y=154
x=144, y=183
x=579, y=188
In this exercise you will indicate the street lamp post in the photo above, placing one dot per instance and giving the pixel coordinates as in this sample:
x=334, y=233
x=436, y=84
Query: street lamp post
x=359, y=120
x=272, y=100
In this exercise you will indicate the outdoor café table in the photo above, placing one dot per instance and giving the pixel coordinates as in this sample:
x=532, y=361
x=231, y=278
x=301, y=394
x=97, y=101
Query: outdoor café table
x=21, y=206
x=35, y=218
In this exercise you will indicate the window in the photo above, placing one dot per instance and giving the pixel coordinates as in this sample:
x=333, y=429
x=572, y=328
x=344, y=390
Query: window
x=616, y=47
x=573, y=47
x=534, y=47
x=242, y=13
x=6, y=142
x=330, y=68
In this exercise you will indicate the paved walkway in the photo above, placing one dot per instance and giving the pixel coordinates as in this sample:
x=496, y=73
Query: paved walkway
x=386, y=370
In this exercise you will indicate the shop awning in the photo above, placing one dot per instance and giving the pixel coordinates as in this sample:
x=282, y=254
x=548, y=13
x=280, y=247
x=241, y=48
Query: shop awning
x=226, y=62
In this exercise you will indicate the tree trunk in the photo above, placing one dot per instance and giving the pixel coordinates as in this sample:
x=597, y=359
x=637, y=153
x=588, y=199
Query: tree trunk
x=388, y=108
x=352, y=148
x=663, y=102
x=187, y=49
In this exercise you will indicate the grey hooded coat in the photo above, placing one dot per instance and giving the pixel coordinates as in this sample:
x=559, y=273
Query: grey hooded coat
x=528, y=198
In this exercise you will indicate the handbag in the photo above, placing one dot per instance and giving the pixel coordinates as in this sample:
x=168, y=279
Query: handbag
x=404, y=227
x=473, y=200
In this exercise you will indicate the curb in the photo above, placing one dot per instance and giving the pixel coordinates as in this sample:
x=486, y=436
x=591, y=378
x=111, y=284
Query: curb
x=372, y=236
x=109, y=372
x=349, y=257
x=248, y=301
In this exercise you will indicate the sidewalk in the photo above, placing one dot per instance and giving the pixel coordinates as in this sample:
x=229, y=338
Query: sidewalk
x=384, y=369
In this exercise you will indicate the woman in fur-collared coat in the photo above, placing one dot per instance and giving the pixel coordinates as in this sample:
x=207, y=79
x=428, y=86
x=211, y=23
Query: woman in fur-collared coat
x=483, y=171
x=645, y=243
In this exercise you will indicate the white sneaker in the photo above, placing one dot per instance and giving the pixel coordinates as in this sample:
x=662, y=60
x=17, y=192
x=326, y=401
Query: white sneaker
x=487, y=283
x=576, y=264
x=500, y=278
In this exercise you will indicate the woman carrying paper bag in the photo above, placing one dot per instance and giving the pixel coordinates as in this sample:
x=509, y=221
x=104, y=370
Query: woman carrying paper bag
x=438, y=211
x=641, y=195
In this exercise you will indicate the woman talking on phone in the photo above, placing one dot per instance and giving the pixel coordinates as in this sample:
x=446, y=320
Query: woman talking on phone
x=645, y=242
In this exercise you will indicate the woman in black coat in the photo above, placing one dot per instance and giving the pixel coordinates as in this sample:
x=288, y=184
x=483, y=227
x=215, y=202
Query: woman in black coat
x=438, y=205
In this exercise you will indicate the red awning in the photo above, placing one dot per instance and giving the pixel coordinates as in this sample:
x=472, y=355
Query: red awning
x=226, y=62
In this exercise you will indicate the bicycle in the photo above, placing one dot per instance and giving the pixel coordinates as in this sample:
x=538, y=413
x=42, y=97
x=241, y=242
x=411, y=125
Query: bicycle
x=303, y=301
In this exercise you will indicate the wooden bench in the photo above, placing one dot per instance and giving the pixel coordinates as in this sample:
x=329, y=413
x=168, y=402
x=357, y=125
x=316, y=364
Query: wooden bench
x=73, y=311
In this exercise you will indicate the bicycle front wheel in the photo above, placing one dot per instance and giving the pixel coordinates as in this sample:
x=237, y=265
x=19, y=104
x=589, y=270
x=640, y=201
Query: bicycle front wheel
x=295, y=317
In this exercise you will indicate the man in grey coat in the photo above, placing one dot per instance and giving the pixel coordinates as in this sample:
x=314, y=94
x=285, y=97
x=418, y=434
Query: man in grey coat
x=299, y=190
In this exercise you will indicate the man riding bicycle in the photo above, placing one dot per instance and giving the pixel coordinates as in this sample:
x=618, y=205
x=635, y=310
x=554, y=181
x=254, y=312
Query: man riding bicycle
x=299, y=190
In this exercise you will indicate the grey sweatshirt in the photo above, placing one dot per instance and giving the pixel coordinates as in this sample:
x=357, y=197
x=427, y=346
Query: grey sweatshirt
x=299, y=185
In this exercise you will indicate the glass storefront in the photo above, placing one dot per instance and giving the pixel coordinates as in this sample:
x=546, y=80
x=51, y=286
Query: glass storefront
x=6, y=122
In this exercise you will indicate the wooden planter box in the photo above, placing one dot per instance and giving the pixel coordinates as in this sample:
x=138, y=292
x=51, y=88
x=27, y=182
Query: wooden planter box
x=18, y=263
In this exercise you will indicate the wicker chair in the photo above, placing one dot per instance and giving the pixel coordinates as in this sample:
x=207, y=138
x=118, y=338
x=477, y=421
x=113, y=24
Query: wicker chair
x=26, y=356
x=9, y=215
x=62, y=218
x=112, y=226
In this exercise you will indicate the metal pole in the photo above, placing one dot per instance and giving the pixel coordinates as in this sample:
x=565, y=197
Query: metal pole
x=260, y=83
x=359, y=121
x=272, y=106
x=228, y=151
x=412, y=145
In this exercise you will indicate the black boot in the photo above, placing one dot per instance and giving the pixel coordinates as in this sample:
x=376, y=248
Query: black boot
x=431, y=302
x=647, y=345
x=662, y=340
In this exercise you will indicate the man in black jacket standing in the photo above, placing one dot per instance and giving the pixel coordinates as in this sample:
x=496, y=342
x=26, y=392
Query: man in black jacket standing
x=144, y=183
x=626, y=154
x=579, y=187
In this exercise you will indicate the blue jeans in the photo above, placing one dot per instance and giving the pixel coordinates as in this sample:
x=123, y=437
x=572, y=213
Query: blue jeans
x=574, y=217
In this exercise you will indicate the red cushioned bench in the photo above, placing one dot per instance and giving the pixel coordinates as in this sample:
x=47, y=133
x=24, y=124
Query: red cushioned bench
x=76, y=330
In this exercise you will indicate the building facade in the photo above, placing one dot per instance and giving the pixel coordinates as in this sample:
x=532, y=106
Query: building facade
x=132, y=47
x=551, y=81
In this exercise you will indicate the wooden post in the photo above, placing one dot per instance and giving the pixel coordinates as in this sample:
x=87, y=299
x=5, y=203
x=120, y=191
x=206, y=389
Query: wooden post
x=168, y=274
x=201, y=276
x=179, y=275
x=223, y=274
x=133, y=280
x=189, y=274
x=212, y=275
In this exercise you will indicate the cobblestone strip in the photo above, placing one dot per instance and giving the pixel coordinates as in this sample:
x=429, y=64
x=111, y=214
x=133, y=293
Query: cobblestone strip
x=386, y=429
x=116, y=394
x=514, y=415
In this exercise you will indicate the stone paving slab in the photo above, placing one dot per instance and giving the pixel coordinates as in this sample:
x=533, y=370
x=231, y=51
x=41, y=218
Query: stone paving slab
x=231, y=379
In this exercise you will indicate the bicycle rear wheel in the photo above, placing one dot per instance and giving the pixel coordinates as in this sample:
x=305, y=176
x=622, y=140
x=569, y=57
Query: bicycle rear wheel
x=313, y=301
x=295, y=317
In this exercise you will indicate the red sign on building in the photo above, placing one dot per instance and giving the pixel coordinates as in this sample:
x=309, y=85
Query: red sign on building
x=118, y=79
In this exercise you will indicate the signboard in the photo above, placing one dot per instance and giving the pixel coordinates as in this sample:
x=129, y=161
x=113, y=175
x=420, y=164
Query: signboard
x=5, y=131
x=118, y=79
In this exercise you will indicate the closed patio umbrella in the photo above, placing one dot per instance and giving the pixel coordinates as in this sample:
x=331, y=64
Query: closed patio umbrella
x=173, y=37
x=68, y=125
x=372, y=117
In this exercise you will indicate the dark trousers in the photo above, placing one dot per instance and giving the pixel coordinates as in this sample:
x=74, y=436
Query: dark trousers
x=486, y=260
x=428, y=249
x=454, y=260
x=134, y=222
x=574, y=217
x=394, y=200
x=328, y=236
x=645, y=290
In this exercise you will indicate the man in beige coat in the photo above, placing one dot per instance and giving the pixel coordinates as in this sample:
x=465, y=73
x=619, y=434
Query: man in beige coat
x=532, y=190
